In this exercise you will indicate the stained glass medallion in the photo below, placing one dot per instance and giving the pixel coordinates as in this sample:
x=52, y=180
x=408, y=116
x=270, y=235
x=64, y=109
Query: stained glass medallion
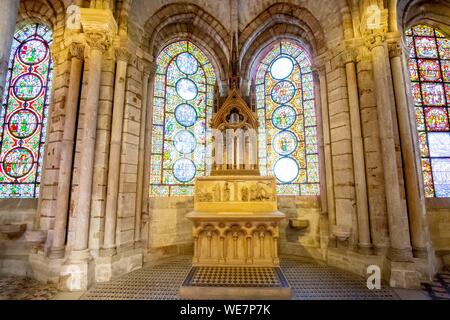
x=186, y=115
x=283, y=92
x=282, y=68
x=286, y=111
x=187, y=89
x=430, y=76
x=24, y=110
x=184, y=96
x=184, y=170
x=286, y=170
x=285, y=143
x=284, y=117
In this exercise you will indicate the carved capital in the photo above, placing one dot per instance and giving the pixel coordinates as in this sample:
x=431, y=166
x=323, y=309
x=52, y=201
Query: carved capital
x=77, y=50
x=395, y=49
x=348, y=56
x=375, y=39
x=122, y=54
x=98, y=40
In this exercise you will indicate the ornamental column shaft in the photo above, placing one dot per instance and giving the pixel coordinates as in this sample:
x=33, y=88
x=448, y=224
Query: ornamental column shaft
x=398, y=220
x=8, y=18
x=416, y=205
x=67, y=150
x=148, y=74
x=109, y=243
x=98, y=43
x=327, y=146
x=364, y=242
x=148, y=141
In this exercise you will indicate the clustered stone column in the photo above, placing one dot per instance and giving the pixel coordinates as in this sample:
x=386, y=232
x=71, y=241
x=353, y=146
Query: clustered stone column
x=416, y=207
x=98, y=43
x=327, y=146
x=109, y=243
x=8, y=17
x=398, y=219
x=67, y=149
x=364, y=242
x=148, y=74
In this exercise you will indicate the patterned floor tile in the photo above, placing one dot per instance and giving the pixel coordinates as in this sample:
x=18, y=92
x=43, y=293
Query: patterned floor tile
x=162, y=282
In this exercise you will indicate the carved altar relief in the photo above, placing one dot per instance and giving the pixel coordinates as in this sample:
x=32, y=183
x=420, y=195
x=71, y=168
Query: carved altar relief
x=235, y=194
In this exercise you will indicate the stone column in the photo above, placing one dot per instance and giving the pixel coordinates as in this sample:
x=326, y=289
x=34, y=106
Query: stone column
x=148, y=141
x=323, y=180
x=416, y=206
x=67, y=149
x=364, y=242
x=8, y=17
x=109, y=242
x=148, y=74
x=327, y=147
x=398, y=220
x=98, y=43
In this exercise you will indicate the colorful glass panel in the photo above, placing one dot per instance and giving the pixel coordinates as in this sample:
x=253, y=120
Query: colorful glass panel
x=429, y=66
x=24, y=111
x=287, y=113
x=184, y=93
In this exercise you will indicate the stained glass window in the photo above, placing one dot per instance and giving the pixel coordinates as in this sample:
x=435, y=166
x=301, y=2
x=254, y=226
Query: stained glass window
x=287, y=115
x=429, y=66
x=183, y=105
x=24, y=110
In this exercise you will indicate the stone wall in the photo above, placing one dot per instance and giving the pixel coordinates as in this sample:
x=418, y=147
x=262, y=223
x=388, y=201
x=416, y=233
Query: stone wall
x=438, y=218
x=168, y=232
x=14, y=251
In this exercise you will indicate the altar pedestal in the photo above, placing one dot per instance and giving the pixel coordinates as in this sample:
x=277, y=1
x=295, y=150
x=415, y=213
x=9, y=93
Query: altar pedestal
x=236, y=231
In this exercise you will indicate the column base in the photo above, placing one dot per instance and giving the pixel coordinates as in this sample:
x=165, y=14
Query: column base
x=57, y=253
x=108, y=252
x=400, y=255
x=79, y=256
x=380, y=250
x=365, y=249
x=421, y=253
x=77, y=275
x=402, y=275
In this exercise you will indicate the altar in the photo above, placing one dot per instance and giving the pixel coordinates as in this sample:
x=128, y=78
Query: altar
x=235, y=218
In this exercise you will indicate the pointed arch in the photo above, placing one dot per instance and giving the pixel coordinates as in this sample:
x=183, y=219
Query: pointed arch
x=288, y=146
x=182, y=108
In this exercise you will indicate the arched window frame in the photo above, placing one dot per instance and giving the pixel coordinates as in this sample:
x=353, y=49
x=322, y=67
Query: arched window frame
x=163, y=154
x=431, y=115
x=22, y=180
x=306, y=154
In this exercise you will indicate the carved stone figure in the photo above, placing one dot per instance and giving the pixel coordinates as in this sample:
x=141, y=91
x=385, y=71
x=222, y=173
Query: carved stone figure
x=262, y=193
x=244, y=192
x=217, y=193
x=253, y=193
x=226, y=192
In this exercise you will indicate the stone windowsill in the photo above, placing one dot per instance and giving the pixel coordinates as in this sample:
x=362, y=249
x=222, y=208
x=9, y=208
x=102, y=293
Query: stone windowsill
x=438, y=203
x=11, y=205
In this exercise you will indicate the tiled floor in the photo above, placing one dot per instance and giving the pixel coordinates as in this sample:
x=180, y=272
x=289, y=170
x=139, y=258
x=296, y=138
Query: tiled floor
x=307, y=280
x=19, y=288
x=439, y=289
x=162, y=282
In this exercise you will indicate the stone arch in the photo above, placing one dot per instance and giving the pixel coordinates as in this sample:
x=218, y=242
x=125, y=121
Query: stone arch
x=434, y=13
x=49, y=12
x=278, y=22
x=189, y=21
